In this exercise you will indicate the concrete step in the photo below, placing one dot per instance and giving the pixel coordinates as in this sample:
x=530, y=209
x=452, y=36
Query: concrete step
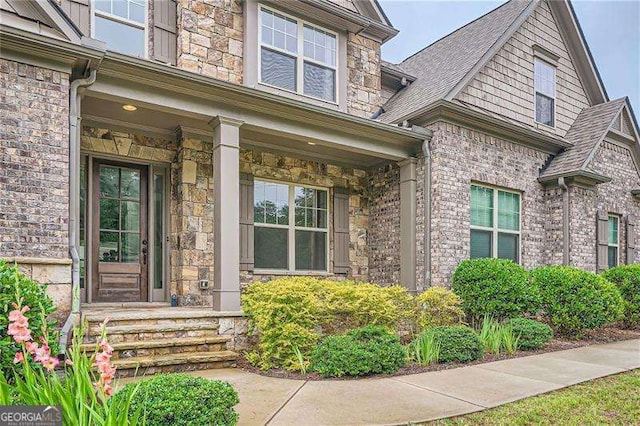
x=140, y=366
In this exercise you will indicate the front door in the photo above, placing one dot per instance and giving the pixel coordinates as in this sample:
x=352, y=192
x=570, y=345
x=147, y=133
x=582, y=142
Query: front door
x=120, y=248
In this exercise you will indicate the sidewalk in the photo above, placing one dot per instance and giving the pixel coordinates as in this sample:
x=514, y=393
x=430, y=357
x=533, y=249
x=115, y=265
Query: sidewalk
x=420, y=397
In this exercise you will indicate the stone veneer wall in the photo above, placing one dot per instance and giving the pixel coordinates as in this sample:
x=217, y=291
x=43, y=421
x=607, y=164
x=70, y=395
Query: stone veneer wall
x=461, y=156
x=384, y=225
x=210, y=38
x=613, y=197
x=363, y=71
x=286, y=169
x=34, y=175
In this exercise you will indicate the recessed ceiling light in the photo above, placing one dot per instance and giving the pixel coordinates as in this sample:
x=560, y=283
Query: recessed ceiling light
x=311, y=143
x=128, y=107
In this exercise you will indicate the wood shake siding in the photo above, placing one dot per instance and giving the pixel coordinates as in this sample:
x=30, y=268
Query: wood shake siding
x=505, y=84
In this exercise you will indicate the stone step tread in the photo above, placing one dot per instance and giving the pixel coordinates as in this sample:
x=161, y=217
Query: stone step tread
x=161, y=343
x=172, y=359
x=154, y=328
x=150, y=314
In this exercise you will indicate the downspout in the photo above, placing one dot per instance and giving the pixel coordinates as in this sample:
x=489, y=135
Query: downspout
x=565, y=220
x=74, y=202
x=426, y=150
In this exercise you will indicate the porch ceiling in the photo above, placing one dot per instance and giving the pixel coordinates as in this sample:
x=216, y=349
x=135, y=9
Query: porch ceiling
x=161, y=123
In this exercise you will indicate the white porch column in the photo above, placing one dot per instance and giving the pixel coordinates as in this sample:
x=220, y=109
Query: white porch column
x=226, y=210
x=408, y=211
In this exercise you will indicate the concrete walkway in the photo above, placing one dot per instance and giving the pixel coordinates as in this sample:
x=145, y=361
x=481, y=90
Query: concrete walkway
x=420, y=397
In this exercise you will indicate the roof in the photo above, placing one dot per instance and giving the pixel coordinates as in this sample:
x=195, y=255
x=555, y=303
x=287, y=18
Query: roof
x=395, y=70
x=443, y=64
x=586, y=133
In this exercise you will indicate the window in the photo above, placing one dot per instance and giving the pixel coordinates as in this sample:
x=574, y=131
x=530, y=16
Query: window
x=121, y=24
x=614, y=223
x=297, y=56
x=495, y=223
x=290, y=227
x=545, y=88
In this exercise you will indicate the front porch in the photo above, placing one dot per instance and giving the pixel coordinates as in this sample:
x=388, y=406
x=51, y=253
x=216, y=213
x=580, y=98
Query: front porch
x=186, y=229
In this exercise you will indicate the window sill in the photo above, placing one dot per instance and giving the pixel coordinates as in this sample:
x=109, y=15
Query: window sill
x=298, y=96
x=546, y=127
x=291, y=273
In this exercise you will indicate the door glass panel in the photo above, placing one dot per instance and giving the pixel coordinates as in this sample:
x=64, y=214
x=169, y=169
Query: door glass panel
x=158, y=227
x=130, y=219
x=130, y=182
x=130, y=247
x=109, y=181
x=108, y=249
x=109, y=214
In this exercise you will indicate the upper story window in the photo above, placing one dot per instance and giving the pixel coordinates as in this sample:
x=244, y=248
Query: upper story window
x=545, y=89
x=613, y=240
x=297, y=56
x=290, y=227
x=495, y=223
x=121, y=24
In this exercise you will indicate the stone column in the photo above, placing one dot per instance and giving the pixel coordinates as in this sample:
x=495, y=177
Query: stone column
x=408, y=209
x=226, y=213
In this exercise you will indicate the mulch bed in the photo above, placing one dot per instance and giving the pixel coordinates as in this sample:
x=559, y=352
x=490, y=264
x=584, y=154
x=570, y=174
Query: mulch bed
x=560, y=343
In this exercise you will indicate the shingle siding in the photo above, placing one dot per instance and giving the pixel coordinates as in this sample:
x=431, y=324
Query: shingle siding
x=505, y=84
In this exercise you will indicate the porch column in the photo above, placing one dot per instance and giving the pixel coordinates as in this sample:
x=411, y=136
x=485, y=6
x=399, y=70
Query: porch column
x=226, y=213
x=408, y=212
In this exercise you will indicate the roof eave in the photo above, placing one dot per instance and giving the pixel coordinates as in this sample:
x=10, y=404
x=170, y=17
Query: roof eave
x=579, y=177
x=636, y=193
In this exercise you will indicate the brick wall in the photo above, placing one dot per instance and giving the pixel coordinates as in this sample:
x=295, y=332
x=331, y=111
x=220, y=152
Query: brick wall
x=460, y=156
x=505, y=84
x=553, y=227
x=210, y=38
x=384, y=225
x=363, y=70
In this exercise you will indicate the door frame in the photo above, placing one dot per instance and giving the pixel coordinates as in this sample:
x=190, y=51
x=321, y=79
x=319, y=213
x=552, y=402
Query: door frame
x=152, y=168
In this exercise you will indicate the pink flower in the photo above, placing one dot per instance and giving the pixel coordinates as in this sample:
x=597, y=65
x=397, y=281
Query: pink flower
x=18, y=314
x=68, y=362
x=50, y=363
x=42, y=353
x=108, y=390
x=20, y=333
x=31, y=347
x=18, y=358
x=106, y=347
x=102, y=357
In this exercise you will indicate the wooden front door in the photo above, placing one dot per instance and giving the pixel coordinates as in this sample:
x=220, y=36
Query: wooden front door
x=120, y=240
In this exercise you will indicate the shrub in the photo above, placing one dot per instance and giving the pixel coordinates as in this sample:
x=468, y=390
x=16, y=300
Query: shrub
x=532, y=334
x=440, y=306
x=17, y=288
x=498, y=337
x=495, y=287
x=424, y=349
x=291, y=314
x=367, y=350
x=180, y=399
x=627, y=278
x=457, y=343
x=575, y=300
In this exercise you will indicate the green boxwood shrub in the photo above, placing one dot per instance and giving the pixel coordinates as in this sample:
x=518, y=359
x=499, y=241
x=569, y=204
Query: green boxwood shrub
x=627, y=278
x=180, y=399
x=575, y=300
x=292, y=314
x=13, y=286
x=497, y=288
x=367, y=350
x=532, y=334
x=457, y=343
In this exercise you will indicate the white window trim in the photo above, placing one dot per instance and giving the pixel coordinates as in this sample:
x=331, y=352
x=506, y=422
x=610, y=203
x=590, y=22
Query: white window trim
x=300, y=58
x=291, y=233
x=495, y=230
x=144, y=26
x=617, y=242
x=537, y=58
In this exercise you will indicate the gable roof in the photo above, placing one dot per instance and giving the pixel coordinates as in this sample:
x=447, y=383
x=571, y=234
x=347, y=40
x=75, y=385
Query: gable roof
x=586, y=134
x=445, y=67
x=40, y=16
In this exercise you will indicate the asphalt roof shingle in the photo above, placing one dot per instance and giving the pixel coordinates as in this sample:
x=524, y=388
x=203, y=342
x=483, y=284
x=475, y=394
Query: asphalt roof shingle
x=442, y=65
x=587, y=131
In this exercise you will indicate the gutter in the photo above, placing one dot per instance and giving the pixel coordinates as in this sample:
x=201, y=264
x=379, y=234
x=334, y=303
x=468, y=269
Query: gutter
x=74, y=202
x=426, y=150
x=565, y=220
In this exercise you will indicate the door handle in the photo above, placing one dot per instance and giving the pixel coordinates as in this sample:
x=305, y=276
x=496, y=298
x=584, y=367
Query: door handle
x=144, y=255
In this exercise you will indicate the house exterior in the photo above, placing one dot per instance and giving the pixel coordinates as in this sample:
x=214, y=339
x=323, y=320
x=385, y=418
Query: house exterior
x=158, y=149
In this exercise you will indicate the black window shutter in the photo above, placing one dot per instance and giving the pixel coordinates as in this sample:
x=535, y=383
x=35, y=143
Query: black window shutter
x=340, y=231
